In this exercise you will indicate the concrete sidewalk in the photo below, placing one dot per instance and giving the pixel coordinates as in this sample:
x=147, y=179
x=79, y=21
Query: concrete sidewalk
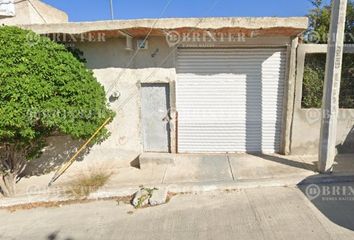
x=193, y=168
x=191, y=173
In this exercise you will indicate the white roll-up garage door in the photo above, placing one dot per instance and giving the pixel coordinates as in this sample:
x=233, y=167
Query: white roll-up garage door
x=230, y=100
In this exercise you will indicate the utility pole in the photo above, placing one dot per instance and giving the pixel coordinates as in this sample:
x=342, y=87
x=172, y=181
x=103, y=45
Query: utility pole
x=330, y=102
x=112, y=10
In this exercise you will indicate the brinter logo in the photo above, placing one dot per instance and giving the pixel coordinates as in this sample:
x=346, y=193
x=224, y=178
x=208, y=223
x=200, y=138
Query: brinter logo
x=206, y=37
x=313, y=191
x=327, y=193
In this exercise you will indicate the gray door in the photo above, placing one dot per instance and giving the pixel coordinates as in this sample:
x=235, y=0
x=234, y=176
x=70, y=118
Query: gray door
x=155, y=105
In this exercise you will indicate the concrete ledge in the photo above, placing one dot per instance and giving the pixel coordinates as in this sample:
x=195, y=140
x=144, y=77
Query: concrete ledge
x=147, y=160
x=299, y=24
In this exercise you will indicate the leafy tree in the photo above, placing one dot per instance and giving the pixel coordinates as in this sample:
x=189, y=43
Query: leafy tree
x=44, y=91
x=319, y=22
x=314, y=70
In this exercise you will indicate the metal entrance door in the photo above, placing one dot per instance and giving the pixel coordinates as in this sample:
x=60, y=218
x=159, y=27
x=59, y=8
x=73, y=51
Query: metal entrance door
x=155, y=125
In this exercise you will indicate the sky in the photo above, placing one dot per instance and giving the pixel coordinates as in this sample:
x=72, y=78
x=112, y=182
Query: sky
x=94, y=10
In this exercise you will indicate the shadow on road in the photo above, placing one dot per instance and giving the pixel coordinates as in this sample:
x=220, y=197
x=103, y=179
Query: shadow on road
x=334, y=200
x=55, y=236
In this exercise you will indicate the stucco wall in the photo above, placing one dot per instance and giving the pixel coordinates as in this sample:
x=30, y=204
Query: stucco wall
x=306, y=131
x=110, y=60
x=306, y=122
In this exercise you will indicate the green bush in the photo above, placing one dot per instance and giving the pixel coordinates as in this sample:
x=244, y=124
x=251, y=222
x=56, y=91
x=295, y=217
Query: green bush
x=314, y=69
x=314, y=74
x=45, y=91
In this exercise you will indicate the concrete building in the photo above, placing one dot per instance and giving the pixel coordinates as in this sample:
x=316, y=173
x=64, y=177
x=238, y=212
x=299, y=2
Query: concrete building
x=306, y=122
x=18, y=12
x=195, y=85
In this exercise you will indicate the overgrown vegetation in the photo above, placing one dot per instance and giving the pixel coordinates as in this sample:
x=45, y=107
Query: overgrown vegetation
x=45, y=90
x=315, y=63
x=314, y=72
x=83, y=186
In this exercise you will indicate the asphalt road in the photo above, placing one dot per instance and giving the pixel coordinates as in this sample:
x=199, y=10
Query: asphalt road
x=259, y=213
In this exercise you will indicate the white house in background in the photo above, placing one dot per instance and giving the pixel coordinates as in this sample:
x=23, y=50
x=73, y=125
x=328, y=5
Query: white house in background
x=20, y=12
x=7, y=8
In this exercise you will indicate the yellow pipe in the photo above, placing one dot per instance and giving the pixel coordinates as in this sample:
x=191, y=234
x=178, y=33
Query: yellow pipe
x=61, y=170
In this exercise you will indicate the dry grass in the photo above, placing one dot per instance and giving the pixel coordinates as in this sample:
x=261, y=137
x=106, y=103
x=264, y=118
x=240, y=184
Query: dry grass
x=83, y=186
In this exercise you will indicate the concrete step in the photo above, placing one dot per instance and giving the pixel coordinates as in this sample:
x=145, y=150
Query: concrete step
x=148, y=160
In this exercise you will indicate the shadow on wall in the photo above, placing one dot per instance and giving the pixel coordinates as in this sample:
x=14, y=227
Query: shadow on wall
x=287, y=162
x=348, y=145
x=334, y=200
x=58, y=151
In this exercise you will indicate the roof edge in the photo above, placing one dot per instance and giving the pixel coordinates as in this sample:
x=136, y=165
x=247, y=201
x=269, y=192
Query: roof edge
x=252, y=23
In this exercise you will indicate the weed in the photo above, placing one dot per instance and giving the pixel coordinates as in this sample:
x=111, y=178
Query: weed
x=83, y=186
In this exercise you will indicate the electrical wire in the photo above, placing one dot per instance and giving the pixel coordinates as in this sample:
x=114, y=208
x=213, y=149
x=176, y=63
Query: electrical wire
x=138, y=49
x=135, y=92
x=38, y=12
x=61, y=170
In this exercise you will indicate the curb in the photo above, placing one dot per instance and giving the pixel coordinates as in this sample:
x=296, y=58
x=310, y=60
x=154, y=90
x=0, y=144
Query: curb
x=189, y=187
x=327, y=178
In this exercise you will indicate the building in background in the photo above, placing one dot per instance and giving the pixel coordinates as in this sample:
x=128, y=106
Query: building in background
x=24, y=12
x=7, y=8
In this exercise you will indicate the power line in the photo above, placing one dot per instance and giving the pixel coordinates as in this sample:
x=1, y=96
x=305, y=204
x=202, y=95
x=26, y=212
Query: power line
x=112, y=9
x=45, y=21
x=138, y=49
x=134, y=92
